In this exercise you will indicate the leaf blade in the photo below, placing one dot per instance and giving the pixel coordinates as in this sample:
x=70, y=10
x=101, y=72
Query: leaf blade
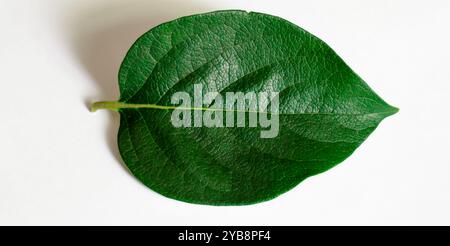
x=326, y=110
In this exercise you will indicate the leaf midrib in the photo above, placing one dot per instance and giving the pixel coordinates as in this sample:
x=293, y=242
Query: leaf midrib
x=116, y=105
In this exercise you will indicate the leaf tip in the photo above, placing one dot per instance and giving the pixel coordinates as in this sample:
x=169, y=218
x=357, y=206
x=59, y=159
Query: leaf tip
x=395, y=110
x=391, y=111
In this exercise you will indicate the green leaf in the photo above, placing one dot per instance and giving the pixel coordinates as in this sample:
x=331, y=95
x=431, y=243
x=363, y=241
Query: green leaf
x=325, y=110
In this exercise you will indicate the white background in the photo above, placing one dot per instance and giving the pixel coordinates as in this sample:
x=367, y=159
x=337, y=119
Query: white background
x=59, y=163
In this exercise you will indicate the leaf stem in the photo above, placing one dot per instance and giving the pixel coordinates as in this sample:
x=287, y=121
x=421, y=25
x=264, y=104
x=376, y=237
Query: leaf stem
x=115, y=105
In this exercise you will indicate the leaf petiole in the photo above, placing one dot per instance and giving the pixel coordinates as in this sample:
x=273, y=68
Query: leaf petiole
x=115, y=105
